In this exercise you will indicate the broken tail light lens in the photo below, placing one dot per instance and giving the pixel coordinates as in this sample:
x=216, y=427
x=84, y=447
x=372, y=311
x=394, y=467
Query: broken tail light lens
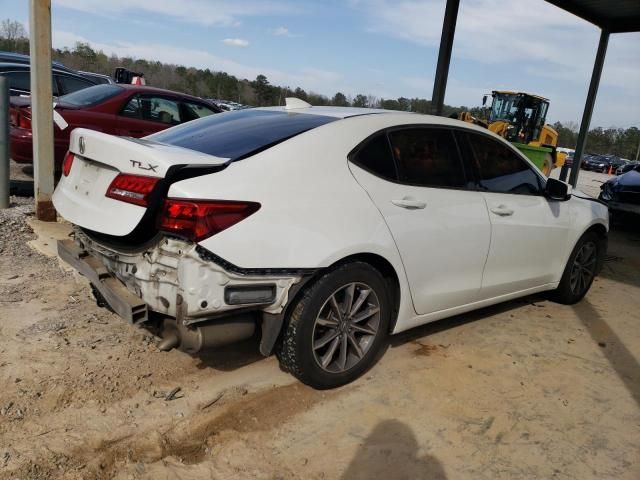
x=132, y=188
x=199, y=219
x=67, y=163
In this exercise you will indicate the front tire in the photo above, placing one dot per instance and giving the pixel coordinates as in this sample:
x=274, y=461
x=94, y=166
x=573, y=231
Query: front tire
x=580, y=270
x=337, y=328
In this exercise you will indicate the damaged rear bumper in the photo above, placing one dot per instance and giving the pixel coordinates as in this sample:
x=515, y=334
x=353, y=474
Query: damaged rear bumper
x=177, y=280
x=173, y=278
x=123, y=302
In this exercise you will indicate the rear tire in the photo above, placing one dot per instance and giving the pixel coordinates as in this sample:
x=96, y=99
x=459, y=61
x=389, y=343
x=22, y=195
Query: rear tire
x=580, y=270
x=337, y=328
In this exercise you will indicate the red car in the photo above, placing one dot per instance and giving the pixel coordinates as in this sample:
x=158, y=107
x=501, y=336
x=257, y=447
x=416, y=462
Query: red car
x=126, y=110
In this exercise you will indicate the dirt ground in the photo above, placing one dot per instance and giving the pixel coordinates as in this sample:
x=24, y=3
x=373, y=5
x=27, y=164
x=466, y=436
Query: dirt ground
x=527, y=389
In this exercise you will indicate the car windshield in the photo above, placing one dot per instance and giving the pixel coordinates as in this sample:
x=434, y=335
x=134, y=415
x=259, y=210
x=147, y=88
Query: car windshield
x=238, y=133
x=90, y=96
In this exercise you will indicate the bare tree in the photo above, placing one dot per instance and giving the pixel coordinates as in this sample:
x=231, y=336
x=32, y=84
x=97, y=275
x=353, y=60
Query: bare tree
x=12, y=30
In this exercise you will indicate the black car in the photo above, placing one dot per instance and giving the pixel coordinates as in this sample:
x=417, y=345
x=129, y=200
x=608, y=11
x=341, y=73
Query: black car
x=63, y=80
x=11, y=57
x=622, y=193
x=596, y=163
x=627, y=167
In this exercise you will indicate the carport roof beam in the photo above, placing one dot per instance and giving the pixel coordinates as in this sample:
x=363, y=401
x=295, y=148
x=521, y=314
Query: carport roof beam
x=615, y=16
x=444, y=56
x=588, y=107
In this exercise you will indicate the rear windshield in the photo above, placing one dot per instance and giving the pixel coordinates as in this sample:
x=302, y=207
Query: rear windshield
x=90, y=96
x=239, y=133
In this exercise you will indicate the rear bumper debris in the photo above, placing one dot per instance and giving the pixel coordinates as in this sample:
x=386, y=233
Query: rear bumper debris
x=172, y=278
x=123, y=302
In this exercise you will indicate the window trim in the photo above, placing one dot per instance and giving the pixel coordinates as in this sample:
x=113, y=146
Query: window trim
x=182, y=103
x=176, y=100
x=124, y=105
x=506, y=144
x=351, y=156
x=470, y=178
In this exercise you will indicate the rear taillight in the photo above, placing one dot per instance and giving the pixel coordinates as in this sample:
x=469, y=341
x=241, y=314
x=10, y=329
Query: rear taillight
x=132, y=188
x=18, y=118
x=67, y=163
x=199, y=219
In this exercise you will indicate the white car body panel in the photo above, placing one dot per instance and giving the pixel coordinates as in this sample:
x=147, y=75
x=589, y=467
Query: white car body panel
x=453, y=221
x=537, y=229
x=317, y=209
x=80, y=197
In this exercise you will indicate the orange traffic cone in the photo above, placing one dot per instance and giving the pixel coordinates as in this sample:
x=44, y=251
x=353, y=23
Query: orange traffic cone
x=610, y=169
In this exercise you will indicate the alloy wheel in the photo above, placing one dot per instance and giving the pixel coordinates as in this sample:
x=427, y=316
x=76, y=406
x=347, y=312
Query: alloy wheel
x=584, y=268
x=346, y=327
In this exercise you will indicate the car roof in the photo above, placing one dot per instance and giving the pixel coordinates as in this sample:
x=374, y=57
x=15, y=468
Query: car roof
x=145, y=88
x=387, y=116
x=13, y=66
x=13, y=57
x=336, y=112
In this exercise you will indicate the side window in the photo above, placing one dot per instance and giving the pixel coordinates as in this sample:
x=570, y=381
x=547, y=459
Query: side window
x=72, y=84
x=159, y=109
x=132, y=108
x=193, y=111
x=375, y=156
x=501, y=170
x=19, y=80
x=427, y=157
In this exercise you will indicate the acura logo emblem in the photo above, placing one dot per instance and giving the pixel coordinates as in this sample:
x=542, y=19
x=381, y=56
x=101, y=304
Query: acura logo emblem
x=81, y=145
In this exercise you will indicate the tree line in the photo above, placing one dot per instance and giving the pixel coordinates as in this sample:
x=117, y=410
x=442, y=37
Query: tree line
x=209, y=83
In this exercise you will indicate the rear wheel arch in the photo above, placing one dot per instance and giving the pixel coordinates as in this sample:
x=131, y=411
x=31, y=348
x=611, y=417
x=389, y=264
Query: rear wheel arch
x=389, y=273
x=376, y=261
x=297, y=346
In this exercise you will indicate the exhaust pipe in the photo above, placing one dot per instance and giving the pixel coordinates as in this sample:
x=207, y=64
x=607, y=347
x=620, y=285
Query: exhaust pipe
x=211, y=334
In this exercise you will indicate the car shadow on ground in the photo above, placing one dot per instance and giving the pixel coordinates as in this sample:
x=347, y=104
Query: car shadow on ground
x=228, y=358
x=622, y=262
x=613, y=348
x=392, y=451
x=232, y=357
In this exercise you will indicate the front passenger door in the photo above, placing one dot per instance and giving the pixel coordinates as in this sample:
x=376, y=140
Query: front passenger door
x=528, y=231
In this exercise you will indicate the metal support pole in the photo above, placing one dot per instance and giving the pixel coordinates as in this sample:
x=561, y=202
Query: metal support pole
x=588, y=107
x=42, y=107
x=444, y=56
x=4, y=142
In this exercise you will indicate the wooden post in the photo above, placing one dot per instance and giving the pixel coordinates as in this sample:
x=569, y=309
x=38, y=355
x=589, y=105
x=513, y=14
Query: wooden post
x=42, y=107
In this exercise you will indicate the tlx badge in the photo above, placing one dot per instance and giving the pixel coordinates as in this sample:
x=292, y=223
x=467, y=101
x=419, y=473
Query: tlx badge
x=147, y=167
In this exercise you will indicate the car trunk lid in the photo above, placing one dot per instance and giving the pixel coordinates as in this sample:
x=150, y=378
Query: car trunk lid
x=80, y=196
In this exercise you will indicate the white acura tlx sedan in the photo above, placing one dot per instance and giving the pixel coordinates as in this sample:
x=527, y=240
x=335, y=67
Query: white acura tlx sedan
x=327, y=229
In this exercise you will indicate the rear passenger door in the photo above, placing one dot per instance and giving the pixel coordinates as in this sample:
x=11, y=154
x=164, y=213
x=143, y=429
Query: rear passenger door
x=417, y=180
x=529, y=232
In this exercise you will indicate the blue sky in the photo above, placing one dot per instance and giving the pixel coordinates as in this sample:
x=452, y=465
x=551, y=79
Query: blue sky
x=386, y=48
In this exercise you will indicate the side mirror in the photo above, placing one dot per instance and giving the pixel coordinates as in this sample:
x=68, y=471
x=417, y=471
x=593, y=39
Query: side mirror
x=557, y=190
x=484, y=100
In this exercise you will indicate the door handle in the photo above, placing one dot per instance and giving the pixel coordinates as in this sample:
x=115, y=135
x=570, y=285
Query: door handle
x=502, y=210
x=409, y=203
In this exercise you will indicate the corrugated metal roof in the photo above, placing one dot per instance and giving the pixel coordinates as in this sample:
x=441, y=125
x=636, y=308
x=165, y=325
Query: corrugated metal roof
x=617, y=16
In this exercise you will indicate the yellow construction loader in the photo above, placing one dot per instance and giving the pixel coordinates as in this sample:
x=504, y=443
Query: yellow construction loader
x=520, y=118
